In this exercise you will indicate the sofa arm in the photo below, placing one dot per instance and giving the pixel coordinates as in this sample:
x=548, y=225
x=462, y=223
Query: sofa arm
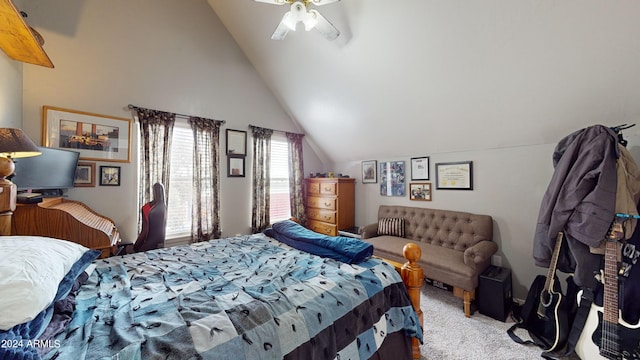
x=369, y=231
x=480, y=252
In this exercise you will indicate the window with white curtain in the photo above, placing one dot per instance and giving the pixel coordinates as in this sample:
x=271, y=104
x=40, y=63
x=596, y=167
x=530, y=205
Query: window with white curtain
x=179, y=210
x=280, y=206
x=181, y=177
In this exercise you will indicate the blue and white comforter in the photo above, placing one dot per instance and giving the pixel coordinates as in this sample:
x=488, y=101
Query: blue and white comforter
x=248, y=297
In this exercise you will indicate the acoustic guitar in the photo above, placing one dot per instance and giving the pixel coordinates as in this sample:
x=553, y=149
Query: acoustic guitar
x=605, y=334
x=552, y=323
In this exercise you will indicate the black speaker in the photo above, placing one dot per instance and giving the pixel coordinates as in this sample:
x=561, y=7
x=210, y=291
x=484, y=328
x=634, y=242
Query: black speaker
x=494, y=292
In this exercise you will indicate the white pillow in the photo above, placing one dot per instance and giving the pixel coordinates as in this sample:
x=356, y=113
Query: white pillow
x=31, y=268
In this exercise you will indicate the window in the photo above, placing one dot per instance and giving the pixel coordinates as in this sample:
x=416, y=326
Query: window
x=280, y=205
x=181, y=177
x=179, y=210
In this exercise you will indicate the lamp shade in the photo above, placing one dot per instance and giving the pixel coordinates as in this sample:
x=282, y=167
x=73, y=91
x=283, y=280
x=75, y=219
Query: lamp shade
x=14, y=143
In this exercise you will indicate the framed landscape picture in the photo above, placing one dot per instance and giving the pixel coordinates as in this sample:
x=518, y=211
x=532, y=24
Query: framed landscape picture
x=94, y=136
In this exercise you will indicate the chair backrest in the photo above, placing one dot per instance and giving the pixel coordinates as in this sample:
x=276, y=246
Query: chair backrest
x=154, y=221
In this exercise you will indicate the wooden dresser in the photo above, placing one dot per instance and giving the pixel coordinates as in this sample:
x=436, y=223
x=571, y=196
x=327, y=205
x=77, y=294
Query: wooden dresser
x=330, y=204
x=67, y=220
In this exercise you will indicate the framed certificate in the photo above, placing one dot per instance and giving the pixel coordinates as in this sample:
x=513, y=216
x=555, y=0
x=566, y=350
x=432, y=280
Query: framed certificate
x=454, y=175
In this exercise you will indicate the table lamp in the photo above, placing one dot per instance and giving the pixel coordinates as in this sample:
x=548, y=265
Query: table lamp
x=14, y=143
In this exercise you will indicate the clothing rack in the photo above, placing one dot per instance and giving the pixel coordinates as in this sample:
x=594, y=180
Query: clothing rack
x=618, y=130
x=183, y=116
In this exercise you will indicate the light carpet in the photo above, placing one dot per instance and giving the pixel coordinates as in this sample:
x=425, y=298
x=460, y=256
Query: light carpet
x=448, y=334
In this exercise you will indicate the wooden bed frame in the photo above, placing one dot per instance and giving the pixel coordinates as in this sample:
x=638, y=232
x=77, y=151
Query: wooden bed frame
x=413, y=277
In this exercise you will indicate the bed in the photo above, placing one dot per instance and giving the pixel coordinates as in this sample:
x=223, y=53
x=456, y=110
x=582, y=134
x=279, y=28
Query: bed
x=246, y=297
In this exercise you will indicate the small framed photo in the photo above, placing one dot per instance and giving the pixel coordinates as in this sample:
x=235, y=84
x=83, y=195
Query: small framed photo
x=236, y=142
x=420, y=191
x=370, y=172
x=235, y=166
x=109, y=175
x=420, y=168
x=454, y=175
x=85, y=175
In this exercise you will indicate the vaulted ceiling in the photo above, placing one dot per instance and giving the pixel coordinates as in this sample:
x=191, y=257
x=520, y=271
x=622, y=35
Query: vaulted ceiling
x=416, y=77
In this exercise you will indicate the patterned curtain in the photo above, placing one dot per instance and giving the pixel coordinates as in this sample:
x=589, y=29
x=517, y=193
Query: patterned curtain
x=261, y=175
x=205, y=208
x=296, y=179
x=156, y=129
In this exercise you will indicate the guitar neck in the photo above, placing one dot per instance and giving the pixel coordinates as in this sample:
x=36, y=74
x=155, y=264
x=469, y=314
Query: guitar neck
x=610, y=342
x=610, y=298
x=548, y=284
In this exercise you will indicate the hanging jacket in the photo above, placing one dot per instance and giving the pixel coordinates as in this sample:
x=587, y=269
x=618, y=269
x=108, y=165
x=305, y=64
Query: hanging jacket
x=580, y=201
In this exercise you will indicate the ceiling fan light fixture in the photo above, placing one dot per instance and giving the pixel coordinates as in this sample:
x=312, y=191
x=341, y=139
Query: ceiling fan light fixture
x=290, y=21
x=310, y=20
x=299, y=12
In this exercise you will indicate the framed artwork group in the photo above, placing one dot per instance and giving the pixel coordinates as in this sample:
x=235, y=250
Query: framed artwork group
x=86, y=175
x=393, y=174
x=236, y=152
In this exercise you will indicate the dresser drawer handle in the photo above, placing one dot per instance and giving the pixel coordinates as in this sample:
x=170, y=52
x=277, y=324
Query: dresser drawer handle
x=327, y=204
x=327, y=189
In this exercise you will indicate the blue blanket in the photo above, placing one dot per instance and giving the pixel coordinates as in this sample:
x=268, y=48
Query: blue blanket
x=341, y=248
x=248, y=297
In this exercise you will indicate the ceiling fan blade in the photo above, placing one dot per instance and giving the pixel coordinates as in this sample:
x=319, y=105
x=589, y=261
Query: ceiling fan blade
x=274, y=2
x=317, y=2
x=282, y=30
x=325, y=27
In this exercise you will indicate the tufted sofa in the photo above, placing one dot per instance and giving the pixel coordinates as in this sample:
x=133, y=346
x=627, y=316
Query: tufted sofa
x=456, y=246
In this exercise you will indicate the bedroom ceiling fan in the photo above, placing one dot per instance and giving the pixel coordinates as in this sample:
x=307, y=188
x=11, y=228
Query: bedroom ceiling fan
x=300, y=12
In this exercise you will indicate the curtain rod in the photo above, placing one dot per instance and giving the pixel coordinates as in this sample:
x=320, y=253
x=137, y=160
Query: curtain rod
x=278, y=131
x=133, y=107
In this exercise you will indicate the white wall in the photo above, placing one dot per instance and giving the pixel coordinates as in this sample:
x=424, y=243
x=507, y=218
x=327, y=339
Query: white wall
x=161, y=54
x=10, y=92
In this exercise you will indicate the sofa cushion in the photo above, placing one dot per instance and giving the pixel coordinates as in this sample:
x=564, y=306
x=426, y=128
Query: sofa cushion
x=439, y=263
x=391, y=226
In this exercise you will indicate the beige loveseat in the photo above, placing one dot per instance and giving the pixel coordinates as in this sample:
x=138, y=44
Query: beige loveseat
x=456, y=246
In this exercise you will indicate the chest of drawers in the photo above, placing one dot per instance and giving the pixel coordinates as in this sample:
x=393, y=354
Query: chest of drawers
x=330, y=204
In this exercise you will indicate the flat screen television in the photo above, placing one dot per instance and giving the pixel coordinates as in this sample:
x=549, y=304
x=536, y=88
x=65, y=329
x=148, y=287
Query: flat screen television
x=54, y=169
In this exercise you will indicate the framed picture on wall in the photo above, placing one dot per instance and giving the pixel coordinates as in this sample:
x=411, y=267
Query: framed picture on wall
x=454, y=175
x=236, y=142
x=94, y=136
x=392, y=178
x=85, y=175
x=109, y=175
x=420, y=191
x=420, y=168
x=370, y=172
x=235, y=166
